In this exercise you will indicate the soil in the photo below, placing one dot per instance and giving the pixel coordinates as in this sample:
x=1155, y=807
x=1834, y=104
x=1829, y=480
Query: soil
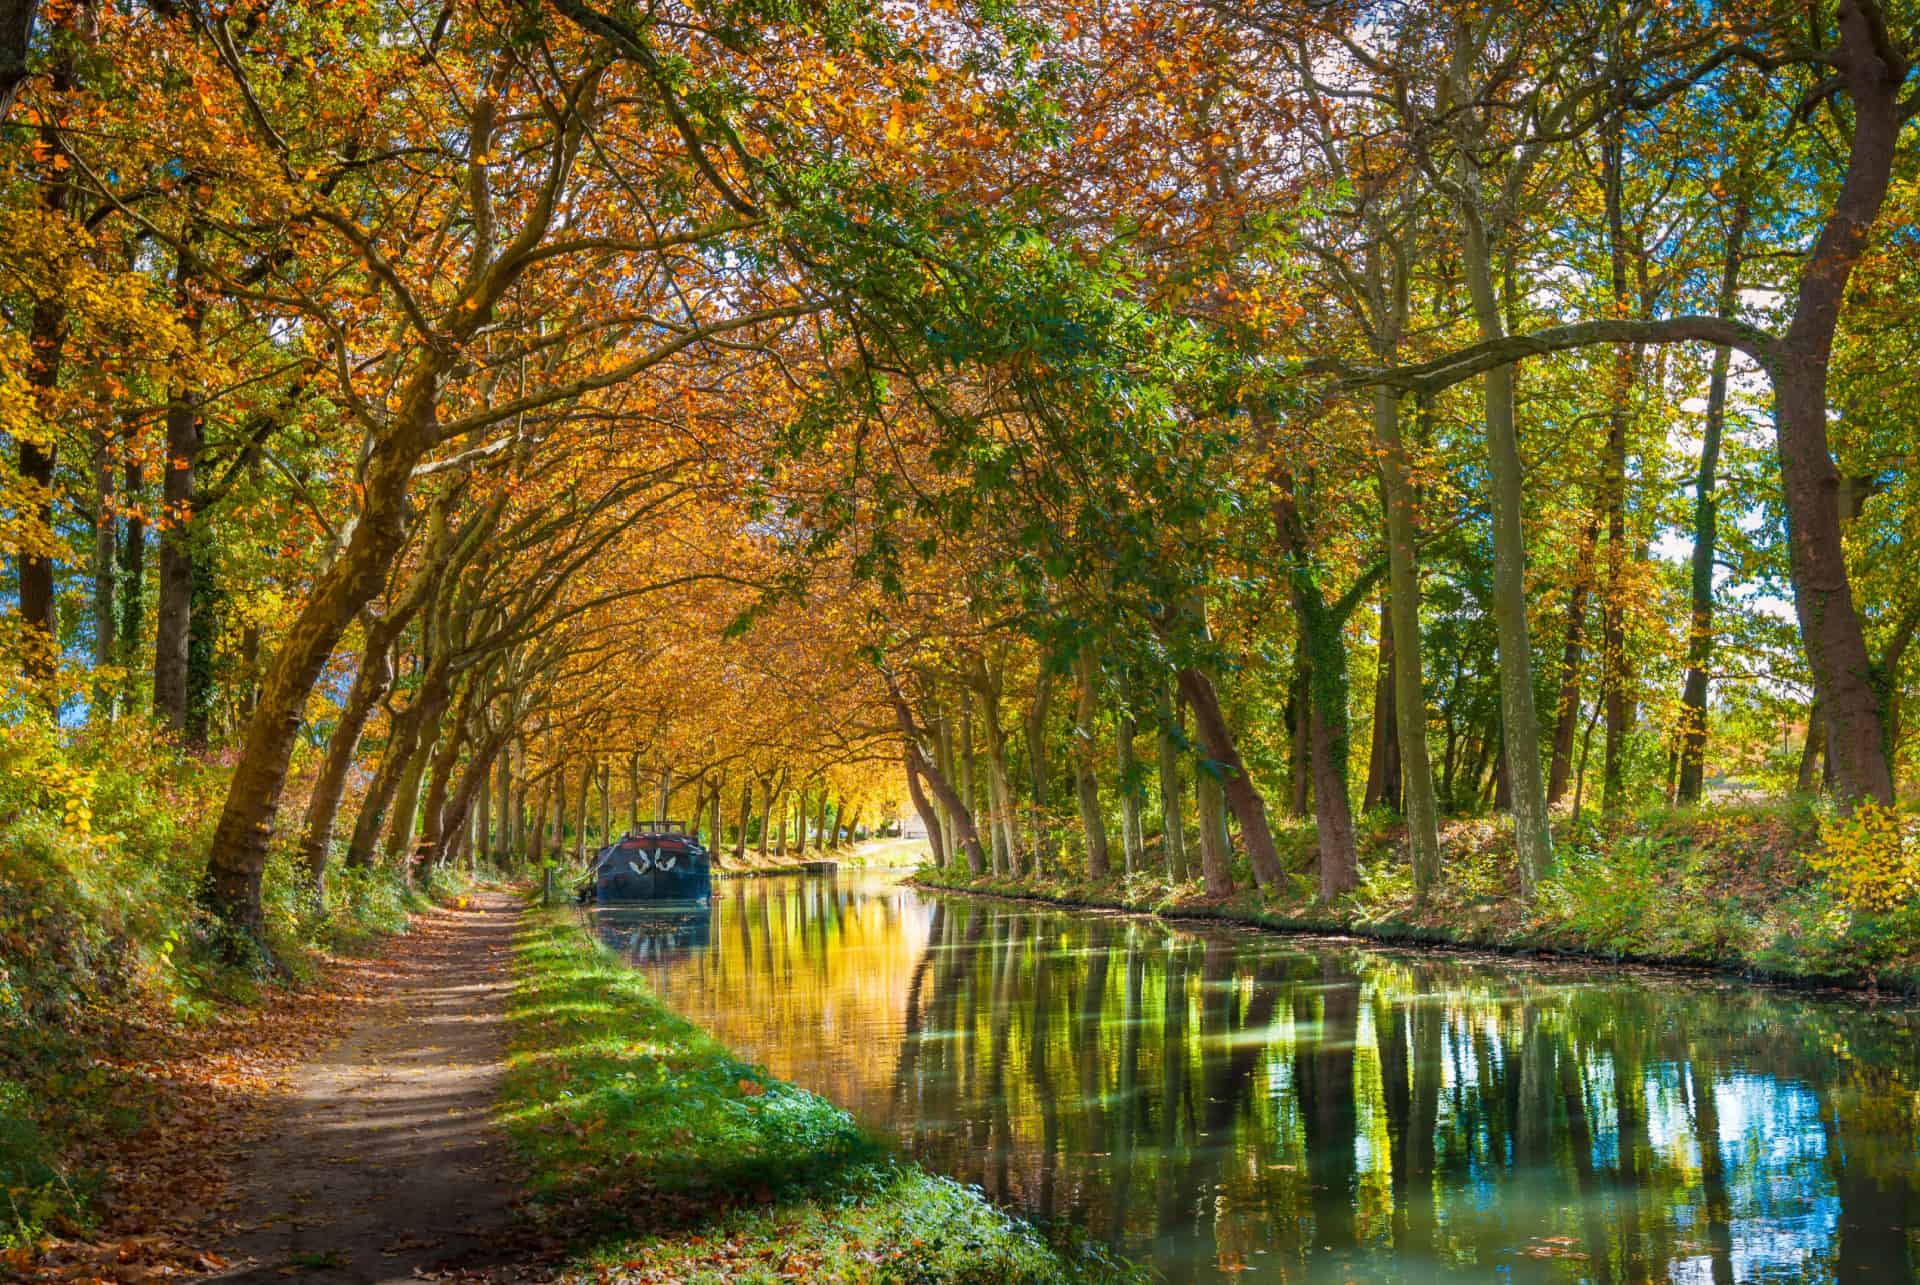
x=385, y=1163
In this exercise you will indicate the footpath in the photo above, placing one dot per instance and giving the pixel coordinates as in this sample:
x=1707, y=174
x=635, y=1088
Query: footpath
x=384, y=1164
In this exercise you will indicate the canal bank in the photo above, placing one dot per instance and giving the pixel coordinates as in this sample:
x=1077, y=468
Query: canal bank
x=666, y=1157
x=1711, y=938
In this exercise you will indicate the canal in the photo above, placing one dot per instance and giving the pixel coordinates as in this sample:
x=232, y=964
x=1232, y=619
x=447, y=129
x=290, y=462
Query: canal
x=1225, y=1104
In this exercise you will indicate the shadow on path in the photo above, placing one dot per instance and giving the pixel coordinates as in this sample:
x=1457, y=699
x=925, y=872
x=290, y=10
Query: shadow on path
x=386, y=1164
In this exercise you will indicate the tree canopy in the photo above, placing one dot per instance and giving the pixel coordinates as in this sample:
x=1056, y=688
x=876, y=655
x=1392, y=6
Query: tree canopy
x=1098, y=434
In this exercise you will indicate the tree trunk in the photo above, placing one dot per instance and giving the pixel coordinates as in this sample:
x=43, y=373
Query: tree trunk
x=605, y=782
x=402, y=740
x=928, y=817
x=471, y=792
x=40, y=643
x=820, y=822
x=1383, y=757
x=1615, y=675
x=746, y=819
x=1339, y=859
x=1045, y=842
x=1007, y=854
x=1813, y=749
x=245, y=829
x=1706, y=531
x=1300, y=728
x=1502, y=781
x=1173, y=831
x=1409, y=682
x=370, y=683
x=203, y=628
x=942, y=735
x=1242, y=795
x=133, y=578
x=1086, y=786
x=800, y=816
x=919, y=767
x=1830, y=629
x=477, y=831
x=665, y=799
x=1216, y=849
x=46, y=350
x=633, y=792
x=519, y=813
x=173, y=620
x=537, y=844
x=16, y=48
x=502, y=801
x=1566, y=717
x=1531, y=834
x=483, y=811
x=1323, y=633
x=1132, y=840
x=766, y=816
x=440, y=769
x=406, y=803
x=106, y=648
x=968, y=794
x=582, y=802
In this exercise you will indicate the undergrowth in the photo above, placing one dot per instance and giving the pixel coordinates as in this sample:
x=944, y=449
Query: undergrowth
x=676, y=1161
x=103, y=834
x=1782, y=889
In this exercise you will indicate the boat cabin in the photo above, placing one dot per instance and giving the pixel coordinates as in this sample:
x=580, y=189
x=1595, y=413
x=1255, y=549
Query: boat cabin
x=658, y=862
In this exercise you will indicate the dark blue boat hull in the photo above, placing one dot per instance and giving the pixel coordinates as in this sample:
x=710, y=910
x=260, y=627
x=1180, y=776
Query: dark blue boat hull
x=620, y=882
x=651, y=869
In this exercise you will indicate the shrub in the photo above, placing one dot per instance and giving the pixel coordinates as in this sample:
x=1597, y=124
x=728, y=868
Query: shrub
x=1870, y=857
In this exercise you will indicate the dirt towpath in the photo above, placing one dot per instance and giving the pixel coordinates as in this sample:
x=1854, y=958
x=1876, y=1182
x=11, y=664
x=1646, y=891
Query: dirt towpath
x=386, y=1165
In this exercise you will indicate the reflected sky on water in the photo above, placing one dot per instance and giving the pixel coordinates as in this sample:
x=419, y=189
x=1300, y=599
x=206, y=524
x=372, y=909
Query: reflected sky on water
x=1229, y=1105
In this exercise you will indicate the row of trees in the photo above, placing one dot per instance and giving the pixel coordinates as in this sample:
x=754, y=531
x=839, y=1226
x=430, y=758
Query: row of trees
x=1352, y=238
x=1107, y=410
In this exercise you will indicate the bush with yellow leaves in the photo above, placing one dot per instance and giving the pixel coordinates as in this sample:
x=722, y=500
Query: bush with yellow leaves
x=1871, y=857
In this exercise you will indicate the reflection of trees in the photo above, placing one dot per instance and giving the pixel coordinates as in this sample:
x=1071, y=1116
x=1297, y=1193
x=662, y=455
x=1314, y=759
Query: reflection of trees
x=1869, y=1119
x=1202, y=1098
x=1175, y=1106
x=1129, y=1101
x=1323, y=1078
x=1705, y=1114
x=1040, y=1022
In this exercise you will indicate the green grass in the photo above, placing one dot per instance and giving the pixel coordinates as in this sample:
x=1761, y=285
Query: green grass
x=665, y=1157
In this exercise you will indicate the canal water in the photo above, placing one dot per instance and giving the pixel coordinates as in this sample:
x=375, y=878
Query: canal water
x=1231, y=1105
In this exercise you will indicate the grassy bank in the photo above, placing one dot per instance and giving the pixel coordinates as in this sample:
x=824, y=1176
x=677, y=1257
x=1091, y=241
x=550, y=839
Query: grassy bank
x=109, y=967
x=1755, y=890
x=670, y=1159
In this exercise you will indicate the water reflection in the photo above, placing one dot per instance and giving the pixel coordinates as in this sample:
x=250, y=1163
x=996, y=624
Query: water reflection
x=643, y=934
x=1223, y=1103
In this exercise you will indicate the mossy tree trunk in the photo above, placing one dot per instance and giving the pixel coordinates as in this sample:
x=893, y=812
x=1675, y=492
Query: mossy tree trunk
x=1093, y=823
x=1173, y=835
